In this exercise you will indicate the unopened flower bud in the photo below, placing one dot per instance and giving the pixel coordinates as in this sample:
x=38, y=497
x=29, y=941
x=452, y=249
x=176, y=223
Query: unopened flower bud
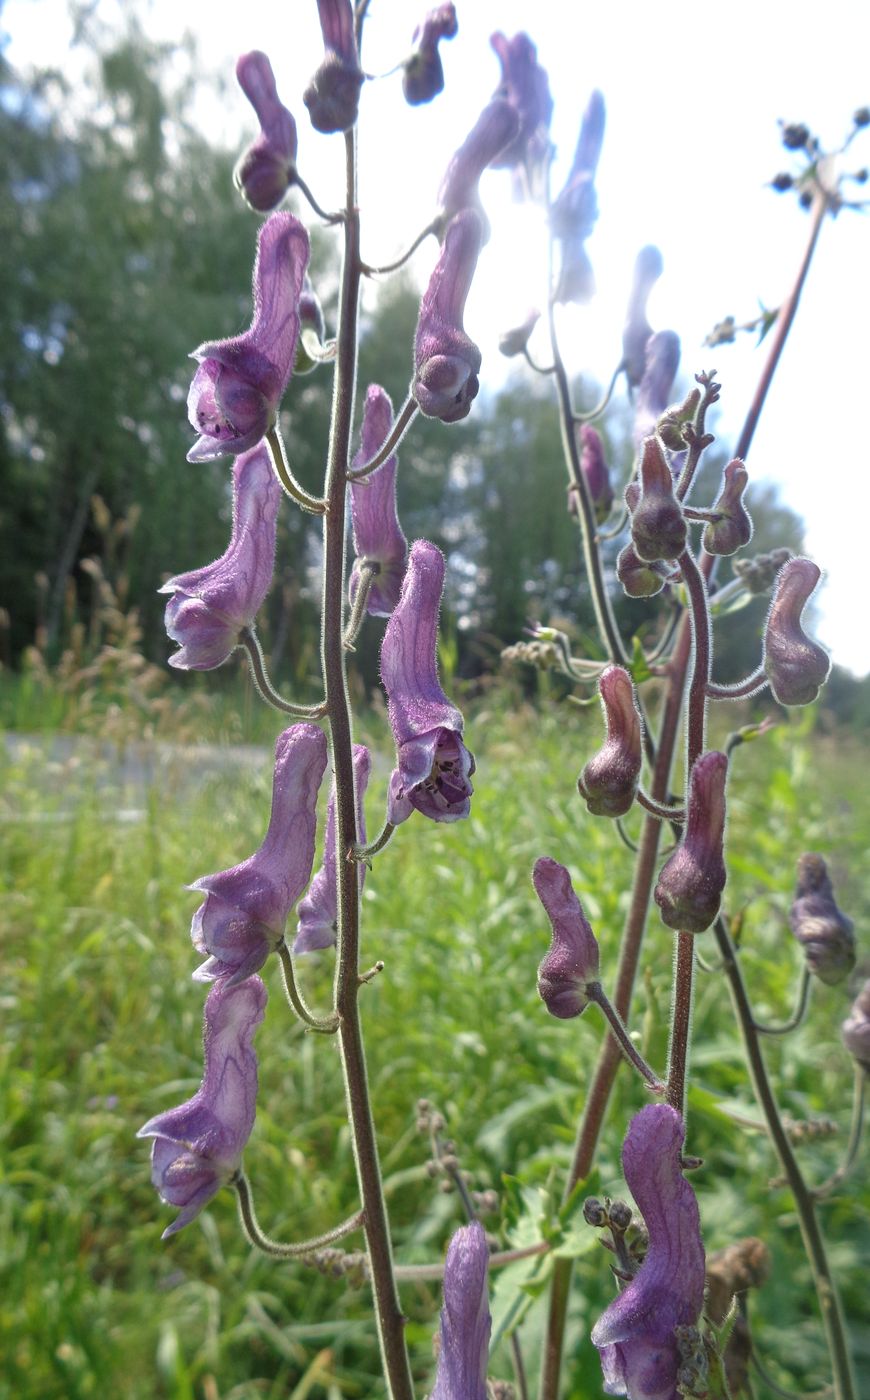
x=734, y=530
x=690, y=885
x=595, y=1212
x=609, y=780
x=674, y=421
x=639, y=579
x=819, y=926
x=572, y=962
x=759, y=573
x=856, y=1028
x=658, y=527
x=796, y=667
x=423, y=77
x=647, y=270
x=620, y=1216
x=795, y=136
x=781, y=182
x=594, y=468
x=514, y=341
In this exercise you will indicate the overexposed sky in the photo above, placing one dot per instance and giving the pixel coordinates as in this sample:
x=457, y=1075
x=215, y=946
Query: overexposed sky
x=693, y=93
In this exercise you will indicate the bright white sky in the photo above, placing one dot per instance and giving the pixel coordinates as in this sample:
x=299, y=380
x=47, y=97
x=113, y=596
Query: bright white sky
x=693, y=93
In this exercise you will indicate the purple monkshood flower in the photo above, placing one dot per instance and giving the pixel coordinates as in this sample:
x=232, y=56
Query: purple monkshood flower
x=210, y=606
x=446, y=359
x=423, y=76
x=648, y=269
x=658, y=526
x=734, y=529
x=609, y=780
x=234, y=397
x=198, y=1146
x=796, y=666
x=377, y=534
x=465, y=1318
x=822, y=929
x=856, y=1028
x=433, y=766
x=576, y=208
x=525, y=85
x=318, y=911
x=639, y=1353
x=497, y=124
x=332, y=96
x=265, y=171
x=572, y=962
x=661, y=361
x=691, y=881
x=241, y=920
x=594, y=468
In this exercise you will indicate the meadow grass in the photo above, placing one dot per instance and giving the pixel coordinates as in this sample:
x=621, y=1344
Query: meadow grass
x=101, y=1029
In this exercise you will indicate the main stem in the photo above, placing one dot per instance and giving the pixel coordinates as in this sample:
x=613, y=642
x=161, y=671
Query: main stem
x=608, y=1061
x=390, y=1321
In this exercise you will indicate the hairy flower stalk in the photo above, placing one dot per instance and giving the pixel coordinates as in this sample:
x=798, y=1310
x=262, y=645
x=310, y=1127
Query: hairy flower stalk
x=198, y=1146
x=267, y=169
x=823, y=931
x=318, y=911
x=378, y=541
x=433, y=766
x=210, y=607
x=235, y=393
x=241, y=920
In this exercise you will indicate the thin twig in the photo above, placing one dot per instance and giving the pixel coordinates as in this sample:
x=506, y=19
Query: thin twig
x=291, y=486
x=800, y=1010
x=267, y=1245
x=397, y=432
x=250, y=643
x=321, y=213
x=370, y=271
x=595, y=992
x=855, y=1133
x=368, y=572
x=324, y=1025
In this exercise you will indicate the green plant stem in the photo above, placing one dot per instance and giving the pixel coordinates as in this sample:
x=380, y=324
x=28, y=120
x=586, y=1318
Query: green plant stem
x=293, y=488
x=814, y=1242
x=326, y=1025
x=250, y=643
x=595, y=992
x=365, y=853
x=370, y=271
x=855, y=1134
x=798, y=1014
x=276, y=1248
x=405, y=418
x=388, y=1312
x=369, y=570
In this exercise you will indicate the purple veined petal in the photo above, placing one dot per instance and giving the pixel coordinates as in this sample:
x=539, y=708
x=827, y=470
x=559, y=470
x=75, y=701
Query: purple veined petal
x=423, y=76
x=198, y=1146
x=690, y=884
x=465, y=1318
x=377, y=534
x=241, y=920
x=447, y=361
x=433, y=766
x=332, y=96
x=267, y=168
x=572, y=961
x=210, y=606
x=494, y=129
x=635, y=1335
x=318, y=911
x=238, y=386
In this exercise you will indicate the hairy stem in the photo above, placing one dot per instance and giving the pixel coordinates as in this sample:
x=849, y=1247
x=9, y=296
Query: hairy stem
x=275, y=1248
x=250, y=643
x=326, y=1025
x=596, y=993
x=798, y=1014
x=855, y=1134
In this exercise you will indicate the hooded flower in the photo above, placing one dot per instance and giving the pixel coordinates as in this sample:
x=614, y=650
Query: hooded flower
x=661, y=362
x=658, y=526
x=691, y=882
x=648, y=269
x=433, y=766
x=639, y=579
x=241, y=920
x=318, y=911
x=377, y=535
x=639, y=1352
x=525, y=85
x=332, y=96
x=423, y=76
x=796, y=667
x=823, y=931
x=856, y=1028
x=465, y=1319
x=210, y=606
x=497, y=125
x=734, y=530
x=572, y=962
x=446, y=359
x=266, y=170
x=610, y=779
x=575, y=209
x=594, y=468
x=234, y=397
x=198, y=1146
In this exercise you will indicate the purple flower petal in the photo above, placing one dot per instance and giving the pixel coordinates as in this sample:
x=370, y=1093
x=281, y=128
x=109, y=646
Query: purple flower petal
x=210, y=606
x=609, y=780
x=465, y=1318
x=267, y=168
x=525, y=85
x=691, y=881
x=572, y=962
x=241, y=920
x=236, y=391
x=447, y=361
x=198, y=1146
x=318, y=911
x=796, y=666
x=661, y=362
x=639, y=1355
x=377, y=534
x=496, y=126
x=822, y=929
x=332, y=97
x=648, y=269
x=575, y=210
x=433, y=765
x=423, y=77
